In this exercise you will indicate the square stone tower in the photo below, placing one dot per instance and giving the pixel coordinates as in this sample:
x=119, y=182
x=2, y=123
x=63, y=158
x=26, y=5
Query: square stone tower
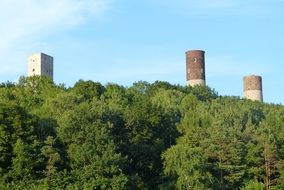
x=40, y=64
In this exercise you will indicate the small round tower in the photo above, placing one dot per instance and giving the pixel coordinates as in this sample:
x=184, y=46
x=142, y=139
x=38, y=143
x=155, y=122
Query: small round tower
x=195, y=67
x=253, y=88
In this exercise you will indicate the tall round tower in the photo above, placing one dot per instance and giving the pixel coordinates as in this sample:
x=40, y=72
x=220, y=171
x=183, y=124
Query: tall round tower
x=253, y=88
x=195, y=67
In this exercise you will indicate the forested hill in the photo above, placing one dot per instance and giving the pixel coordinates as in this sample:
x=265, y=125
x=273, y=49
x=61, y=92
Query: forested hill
x=147, y=136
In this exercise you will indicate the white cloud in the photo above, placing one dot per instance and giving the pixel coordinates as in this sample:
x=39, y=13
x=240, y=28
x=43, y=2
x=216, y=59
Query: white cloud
x=26, y=21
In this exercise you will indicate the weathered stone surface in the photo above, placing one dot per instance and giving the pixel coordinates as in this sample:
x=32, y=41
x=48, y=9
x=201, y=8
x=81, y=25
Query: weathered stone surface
x=40, y=64
x=253, y=88
x=195, y=67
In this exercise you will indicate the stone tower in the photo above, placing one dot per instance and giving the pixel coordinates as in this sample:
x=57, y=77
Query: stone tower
x=195, y=68
x=40, y=64
x=253, y=88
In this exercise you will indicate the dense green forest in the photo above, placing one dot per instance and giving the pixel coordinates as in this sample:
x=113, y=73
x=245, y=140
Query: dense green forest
x=146, y=136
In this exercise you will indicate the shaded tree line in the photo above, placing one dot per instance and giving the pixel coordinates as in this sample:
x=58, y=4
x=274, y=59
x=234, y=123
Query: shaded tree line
x=146, y=136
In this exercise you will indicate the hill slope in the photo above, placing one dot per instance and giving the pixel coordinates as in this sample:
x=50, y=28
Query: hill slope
x=147, y=136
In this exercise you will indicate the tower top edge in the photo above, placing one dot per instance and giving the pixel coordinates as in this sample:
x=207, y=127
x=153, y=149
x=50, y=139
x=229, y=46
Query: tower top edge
x=192, y=51
x=252, y=76
x=39, y=54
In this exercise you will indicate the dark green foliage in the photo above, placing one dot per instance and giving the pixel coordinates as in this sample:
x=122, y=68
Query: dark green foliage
x=147, y=136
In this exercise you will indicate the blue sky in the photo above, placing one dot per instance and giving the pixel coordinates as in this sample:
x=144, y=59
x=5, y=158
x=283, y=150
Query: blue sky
x=124, y=41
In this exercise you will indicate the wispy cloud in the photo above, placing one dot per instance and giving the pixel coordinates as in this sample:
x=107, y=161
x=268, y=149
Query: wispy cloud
x=23, y=22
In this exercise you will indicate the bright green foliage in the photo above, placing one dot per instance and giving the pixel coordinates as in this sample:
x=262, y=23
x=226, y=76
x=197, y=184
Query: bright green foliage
x=146, y=136
x=188, y=165
x=253, y=185
x=91, y=152
x=24, y=162
x=231, y=136
x=87, y=89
